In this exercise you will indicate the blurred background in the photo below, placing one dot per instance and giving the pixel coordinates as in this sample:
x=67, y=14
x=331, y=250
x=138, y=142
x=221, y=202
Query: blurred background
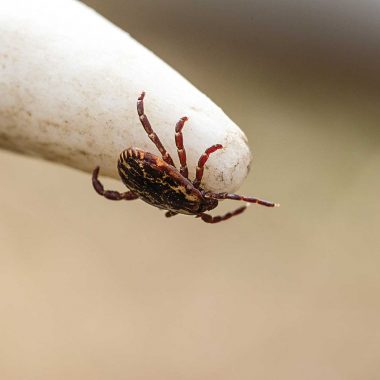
x=91, y=289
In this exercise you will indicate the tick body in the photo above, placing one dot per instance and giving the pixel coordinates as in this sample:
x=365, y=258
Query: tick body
x=157, y=181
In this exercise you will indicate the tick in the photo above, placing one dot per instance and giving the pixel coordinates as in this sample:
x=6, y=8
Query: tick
x=157, y=181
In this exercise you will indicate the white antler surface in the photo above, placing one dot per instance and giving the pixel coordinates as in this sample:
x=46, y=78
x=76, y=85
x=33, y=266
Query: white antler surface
x=69, y=82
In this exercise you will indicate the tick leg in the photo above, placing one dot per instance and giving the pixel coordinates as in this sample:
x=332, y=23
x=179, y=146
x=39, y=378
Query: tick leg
x=149, y=130
x=168, y=214
x=216, y=219
x=109, y=194
x=201, y=163
x=180, y=148
x=237, y=197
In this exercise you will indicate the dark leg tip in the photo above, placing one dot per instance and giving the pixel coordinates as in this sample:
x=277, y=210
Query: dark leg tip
x=96, y=183
x=141, y=97
x=95, y=173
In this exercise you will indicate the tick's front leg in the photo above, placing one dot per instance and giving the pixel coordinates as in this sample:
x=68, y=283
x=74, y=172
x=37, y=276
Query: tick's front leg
x=237, y=197
x=110, y=194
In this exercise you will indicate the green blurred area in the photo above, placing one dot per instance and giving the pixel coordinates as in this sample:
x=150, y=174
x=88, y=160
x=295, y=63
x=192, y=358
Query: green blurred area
x=92, y=289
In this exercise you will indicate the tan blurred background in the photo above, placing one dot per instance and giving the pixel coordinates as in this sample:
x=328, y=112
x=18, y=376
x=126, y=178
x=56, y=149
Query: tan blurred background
x=91, y=289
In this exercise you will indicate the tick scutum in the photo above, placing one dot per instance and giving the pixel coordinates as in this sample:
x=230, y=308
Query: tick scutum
x=157, y=182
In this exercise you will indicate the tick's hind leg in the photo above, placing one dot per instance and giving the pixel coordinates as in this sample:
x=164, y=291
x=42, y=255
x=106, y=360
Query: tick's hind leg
x=237, y=197
x=169, y=214
x=216, y=219
x=180, y=148
x=201, y=163
x=149, y=130
x=109, y=194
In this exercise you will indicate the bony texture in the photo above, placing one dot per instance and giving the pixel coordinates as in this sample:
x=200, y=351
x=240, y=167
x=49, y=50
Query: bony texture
x=69, y=82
